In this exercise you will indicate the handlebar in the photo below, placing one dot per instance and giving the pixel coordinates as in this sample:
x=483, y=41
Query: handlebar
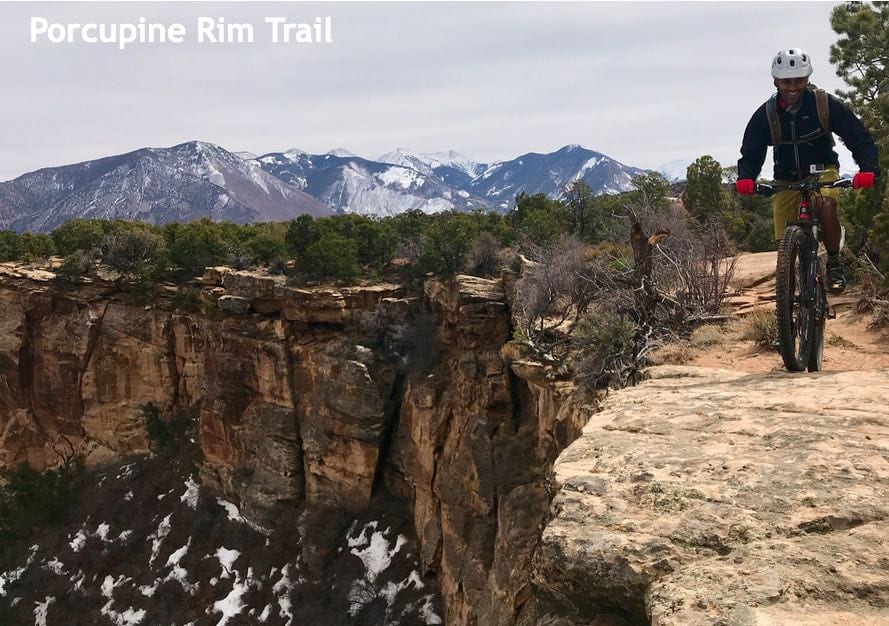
x=767, y=190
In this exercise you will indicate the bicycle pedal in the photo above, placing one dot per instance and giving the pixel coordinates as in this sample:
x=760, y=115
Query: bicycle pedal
x=831, y=312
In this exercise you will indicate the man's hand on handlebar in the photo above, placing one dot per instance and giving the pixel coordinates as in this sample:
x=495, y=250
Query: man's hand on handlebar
x=862, y=180
x=745, y=186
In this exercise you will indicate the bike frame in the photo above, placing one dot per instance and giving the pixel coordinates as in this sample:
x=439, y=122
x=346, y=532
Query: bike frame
x=811, y=303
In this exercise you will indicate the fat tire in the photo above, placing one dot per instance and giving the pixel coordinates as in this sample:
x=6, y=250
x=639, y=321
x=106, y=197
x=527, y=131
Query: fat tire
x=817, y=354
x=796, y=320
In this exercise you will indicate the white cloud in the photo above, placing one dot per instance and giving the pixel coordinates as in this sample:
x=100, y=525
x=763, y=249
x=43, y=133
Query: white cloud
x=644, y=83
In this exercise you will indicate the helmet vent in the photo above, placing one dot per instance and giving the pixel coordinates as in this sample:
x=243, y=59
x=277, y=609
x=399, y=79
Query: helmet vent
x=792, y=63
x=791, y=52
x=804, y=58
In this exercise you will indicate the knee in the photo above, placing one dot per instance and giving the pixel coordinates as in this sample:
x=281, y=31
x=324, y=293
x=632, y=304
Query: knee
x=827, y=207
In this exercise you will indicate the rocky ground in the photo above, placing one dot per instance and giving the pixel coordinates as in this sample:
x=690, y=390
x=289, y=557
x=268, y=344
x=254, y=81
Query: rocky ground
x=728, y=492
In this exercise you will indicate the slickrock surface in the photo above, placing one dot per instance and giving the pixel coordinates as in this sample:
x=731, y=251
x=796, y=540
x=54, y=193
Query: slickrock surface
x=713, y=497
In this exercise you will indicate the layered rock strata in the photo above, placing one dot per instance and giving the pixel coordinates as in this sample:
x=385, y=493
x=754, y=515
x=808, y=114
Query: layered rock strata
x=316, y=397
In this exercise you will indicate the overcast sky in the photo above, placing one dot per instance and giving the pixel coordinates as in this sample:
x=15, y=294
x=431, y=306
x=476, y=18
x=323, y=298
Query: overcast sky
x=644, y=83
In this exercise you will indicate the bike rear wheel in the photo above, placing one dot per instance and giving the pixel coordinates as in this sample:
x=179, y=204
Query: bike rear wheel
x=794, y=300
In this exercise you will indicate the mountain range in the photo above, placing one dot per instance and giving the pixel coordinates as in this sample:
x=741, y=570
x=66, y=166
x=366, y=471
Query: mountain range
x=198, y=179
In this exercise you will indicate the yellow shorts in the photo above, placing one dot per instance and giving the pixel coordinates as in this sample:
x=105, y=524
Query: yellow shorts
x=785, y=204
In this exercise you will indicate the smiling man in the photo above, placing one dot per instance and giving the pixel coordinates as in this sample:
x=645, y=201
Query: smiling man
x=798, y=121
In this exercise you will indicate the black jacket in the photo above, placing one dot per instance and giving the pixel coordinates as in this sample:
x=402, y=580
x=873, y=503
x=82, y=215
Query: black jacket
x=811, y=146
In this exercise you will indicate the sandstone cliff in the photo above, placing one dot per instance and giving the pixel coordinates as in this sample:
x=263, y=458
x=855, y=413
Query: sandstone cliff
x=309, y=399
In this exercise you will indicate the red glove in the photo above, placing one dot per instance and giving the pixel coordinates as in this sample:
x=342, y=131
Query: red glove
x=745, y=186
x=863, y=179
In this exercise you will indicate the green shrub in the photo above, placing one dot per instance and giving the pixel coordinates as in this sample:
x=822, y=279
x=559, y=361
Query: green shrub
x=160, y=435
x=602, y=351
x=9, y=246
x=332, y=256
x=166, y=434
x=31, y=499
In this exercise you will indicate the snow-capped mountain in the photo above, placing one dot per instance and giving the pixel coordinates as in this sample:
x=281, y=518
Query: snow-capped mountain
x=675, y=171
x=157, y=185
x=198, y=179
x=350, y=184
x=549, y=173
x=341, y=152
x=431, y=182
x=451, y=167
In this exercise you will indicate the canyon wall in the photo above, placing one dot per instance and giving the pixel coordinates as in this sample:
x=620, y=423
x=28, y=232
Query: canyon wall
x=319, y=398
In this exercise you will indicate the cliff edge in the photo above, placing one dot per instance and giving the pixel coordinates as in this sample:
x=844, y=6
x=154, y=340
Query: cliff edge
x=708, y=496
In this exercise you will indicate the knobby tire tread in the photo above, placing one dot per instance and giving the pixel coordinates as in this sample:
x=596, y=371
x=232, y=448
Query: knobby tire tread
x=787, y=284
x=817, y=353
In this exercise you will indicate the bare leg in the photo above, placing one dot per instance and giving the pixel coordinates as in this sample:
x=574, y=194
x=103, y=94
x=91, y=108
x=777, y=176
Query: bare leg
x=826, y=210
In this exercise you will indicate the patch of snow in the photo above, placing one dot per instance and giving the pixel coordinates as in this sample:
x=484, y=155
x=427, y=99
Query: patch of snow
x=128, y=496
x=102, y=531
x=13, y=575
x=178, y=554
x=341, y=152
x=428, y=612
x=55, y=566
x=281, y=589
x=163, y=529
x=232, y=604
x=227, y=559
x=190, y=497
x=376, y=555
x=231, y=510
x=590, y=164
x=148, y=590
x=124, y=535
x=41, y=609
x=79, y=541
x=128, y=617
x=234, y=515
x=266, y=612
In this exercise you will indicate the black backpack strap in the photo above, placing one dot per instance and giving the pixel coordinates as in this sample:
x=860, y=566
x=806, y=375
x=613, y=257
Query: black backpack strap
x=823, y=108
x=774, y=122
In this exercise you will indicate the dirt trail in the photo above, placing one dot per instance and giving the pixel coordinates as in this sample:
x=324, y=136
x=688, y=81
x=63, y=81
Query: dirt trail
x=849, y=344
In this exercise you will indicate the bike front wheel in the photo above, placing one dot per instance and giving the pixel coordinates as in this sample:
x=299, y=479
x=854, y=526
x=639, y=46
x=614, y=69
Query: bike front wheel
x=794, y=300
x=817, y=353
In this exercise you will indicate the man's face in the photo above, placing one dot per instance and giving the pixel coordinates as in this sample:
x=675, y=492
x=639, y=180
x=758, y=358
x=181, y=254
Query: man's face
x=791, y=89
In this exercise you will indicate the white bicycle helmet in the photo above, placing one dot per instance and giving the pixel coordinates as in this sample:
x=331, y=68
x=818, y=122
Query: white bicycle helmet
x=792, y=63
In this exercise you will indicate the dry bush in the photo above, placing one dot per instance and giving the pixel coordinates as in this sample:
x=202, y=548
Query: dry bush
x=836, y=341
x=699, y=265
x=879, y=317
x=708, y=335
x=551, y=295
x=484, y=258
x=673, y=354
x=760, y=327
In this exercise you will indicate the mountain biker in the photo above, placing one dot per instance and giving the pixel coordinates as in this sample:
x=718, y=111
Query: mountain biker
x=804, y=143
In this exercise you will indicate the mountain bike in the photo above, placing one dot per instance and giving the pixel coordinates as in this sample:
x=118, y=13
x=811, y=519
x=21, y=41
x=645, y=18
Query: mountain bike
x=800, y=295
